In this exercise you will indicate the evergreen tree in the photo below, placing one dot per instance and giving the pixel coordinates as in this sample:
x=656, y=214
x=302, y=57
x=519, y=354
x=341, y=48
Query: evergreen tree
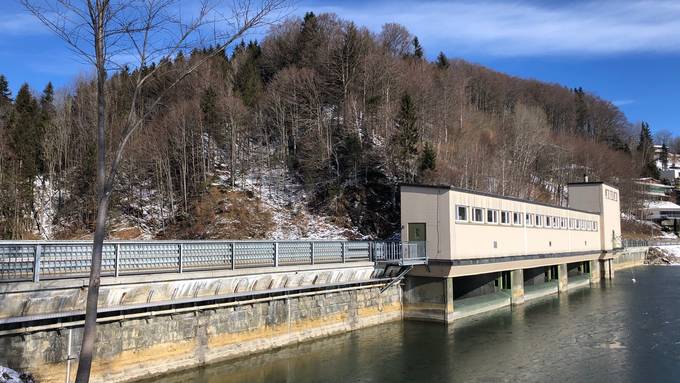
x=5, y=92
x=428, y=159
x=212, y=121
x=24, y=140
x=442, y=61
x=417, y=49
x=248, y=79
x=645, y=151
x=582, y=125
x=407, y=137
x=663, y=156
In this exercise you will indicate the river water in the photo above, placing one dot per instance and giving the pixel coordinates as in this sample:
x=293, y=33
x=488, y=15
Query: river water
x=618, y=332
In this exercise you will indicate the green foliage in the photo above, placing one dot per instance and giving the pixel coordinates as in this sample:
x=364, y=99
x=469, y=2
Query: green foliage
x=645, y=151
x=428, y=158
x=407, y=137
x=417, y=49
x=26, y=134
x=248, y=78
x=442, y=62
x=5, y=92
x=581, y=107
x=663, y=156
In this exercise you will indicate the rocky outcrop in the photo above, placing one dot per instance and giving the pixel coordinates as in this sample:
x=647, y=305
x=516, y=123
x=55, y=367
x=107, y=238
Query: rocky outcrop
x=661, y=256
x=7, y=375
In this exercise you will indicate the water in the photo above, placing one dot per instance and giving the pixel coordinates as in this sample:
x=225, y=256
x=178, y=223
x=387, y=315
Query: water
x=620, y=332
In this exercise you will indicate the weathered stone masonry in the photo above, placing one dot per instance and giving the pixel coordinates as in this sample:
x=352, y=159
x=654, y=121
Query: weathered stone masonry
x=134, y=348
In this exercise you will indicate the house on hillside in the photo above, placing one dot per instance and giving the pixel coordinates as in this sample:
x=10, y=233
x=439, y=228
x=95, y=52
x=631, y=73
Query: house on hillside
x=653, y=190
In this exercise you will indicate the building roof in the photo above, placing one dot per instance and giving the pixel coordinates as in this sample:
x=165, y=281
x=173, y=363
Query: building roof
x=665, y=205
x=509, y=198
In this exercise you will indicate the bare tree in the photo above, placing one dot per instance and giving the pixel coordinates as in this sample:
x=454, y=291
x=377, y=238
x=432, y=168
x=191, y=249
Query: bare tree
x=112, y=34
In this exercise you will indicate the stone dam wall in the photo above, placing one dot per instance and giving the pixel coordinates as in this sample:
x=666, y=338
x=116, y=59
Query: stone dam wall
x=131, y=348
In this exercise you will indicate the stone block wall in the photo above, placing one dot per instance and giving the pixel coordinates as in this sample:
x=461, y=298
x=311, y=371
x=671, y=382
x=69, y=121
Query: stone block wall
x=133, y=348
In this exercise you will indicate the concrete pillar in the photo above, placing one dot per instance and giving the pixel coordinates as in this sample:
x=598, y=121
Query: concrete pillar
x=517, y=284
x=607, y=268
x=562, y=278
x=449, y=300
x=595, y=275
x=429, y=299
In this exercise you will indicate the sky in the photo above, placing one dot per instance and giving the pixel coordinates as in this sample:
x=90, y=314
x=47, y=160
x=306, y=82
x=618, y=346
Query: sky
x=627, y=52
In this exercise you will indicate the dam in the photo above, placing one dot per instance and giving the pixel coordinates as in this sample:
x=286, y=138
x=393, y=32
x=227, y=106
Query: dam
x=173, y=305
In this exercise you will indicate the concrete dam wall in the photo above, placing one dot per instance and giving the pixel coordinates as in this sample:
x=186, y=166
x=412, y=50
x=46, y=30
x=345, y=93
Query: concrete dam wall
x=150, y=327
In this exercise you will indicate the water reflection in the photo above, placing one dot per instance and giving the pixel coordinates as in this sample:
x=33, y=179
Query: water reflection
x=620, y=332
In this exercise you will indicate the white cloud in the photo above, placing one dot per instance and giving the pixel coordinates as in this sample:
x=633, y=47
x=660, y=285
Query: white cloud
x=623, y=102
x=529, y=29
x=14, y=24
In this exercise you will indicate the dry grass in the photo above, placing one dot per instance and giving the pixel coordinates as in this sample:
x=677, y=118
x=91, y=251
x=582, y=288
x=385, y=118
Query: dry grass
x=223, y=214
x=631, y=229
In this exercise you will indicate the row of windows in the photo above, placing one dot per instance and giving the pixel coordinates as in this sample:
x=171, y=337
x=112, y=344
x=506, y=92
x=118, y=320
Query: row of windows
x=505, y=217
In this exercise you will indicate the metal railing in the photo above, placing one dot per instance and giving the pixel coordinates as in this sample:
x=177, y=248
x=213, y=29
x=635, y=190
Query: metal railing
x=650, y=242
x=37, y=260
x=402, y=253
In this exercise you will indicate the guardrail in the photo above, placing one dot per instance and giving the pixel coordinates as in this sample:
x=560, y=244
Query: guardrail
x=649, y=242
x=37, y=260
x=402, y=253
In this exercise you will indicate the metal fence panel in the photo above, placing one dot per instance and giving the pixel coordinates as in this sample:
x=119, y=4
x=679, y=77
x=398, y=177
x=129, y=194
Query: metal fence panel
x=16, y=262
x=20, y=260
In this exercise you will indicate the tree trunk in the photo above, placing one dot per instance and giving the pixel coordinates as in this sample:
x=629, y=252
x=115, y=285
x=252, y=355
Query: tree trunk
x=90, y=330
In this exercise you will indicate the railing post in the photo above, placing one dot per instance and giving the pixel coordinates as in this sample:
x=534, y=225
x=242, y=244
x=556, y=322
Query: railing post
x=343, y=252
x=233, y=255
x=276, y=254
x=36, y=263
x=116, y=260
x=181, y=257
x=312, y=248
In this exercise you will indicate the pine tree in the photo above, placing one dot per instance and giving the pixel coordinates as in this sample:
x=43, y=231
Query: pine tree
x=645, y=151
x=5, y=92
x=248, y=78
x=417, y=49
x=442, y=61
x=663, y=156
x=582, y=125
x=407, y=137
x=428, y=159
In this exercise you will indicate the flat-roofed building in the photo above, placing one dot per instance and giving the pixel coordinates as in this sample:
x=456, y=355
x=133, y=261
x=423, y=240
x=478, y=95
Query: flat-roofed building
x=469, y=233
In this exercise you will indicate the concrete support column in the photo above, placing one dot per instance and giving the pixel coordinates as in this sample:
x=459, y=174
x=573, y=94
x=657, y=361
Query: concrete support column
x=517, y=284
x=607, y=268
x=448, y=291
x=562, y=278
x=595, y=275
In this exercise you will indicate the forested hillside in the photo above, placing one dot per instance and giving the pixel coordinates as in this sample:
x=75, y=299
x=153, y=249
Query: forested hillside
x=344, y=113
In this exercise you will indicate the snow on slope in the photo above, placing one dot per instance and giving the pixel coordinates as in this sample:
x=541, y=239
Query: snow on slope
x=286, y=200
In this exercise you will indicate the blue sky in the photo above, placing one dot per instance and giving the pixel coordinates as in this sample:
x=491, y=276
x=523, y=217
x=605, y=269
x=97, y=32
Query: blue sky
x=625, y=51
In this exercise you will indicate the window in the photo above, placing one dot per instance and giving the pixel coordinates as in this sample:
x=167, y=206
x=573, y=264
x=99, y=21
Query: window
x=505, y=217
x=462, y=213
x=556, y=222
x=539, y=220
x=529, y=219
x=564, y=223
x=548, y=220
x=596, y=228
x=612, y=195
x=578, y=224
x=491, y=216
x=517, y=218
x=572, y=223
x=477, y=215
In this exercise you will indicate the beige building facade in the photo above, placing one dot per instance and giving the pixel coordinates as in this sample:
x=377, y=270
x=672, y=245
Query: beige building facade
x=467, y=232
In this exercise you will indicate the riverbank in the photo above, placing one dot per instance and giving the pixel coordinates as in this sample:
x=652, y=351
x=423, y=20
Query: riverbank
x=663, y=255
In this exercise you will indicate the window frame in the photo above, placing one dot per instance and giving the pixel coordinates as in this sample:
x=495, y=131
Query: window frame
x=518, y=221
x=505, y=213
x=472, y=216
x=467, y=215
x=494, y=214
x=539, y=220
x=529, y=219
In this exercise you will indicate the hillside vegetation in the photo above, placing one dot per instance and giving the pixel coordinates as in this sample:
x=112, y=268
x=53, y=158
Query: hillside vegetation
x=335, y=115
